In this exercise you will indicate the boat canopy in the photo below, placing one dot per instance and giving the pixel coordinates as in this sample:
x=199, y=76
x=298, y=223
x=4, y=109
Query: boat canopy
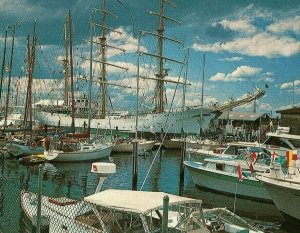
x=284, y=135
x=140, y=202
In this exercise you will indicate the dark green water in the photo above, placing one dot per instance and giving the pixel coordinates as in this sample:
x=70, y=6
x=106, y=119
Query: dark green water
x=75, y=180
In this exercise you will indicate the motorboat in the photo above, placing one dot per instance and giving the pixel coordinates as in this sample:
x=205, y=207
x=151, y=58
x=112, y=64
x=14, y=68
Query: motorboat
x=234, y=175
x=283, y=185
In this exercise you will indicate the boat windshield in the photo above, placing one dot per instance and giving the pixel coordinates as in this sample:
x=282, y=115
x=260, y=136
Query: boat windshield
x=276, y=141
x=295, y=142
x=255, y=154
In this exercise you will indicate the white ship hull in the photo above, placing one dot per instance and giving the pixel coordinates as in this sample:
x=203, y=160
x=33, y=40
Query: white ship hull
x=154, y=122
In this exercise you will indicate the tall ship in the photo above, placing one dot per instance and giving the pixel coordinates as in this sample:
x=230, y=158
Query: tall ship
x=161, y=118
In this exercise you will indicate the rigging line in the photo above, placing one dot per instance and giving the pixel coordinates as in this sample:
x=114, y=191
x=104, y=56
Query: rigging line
x=165, y=134
x=247, y=76
x=173, y=99
x=131, y=16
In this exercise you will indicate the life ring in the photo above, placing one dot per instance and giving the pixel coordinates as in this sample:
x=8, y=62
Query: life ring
x=33, y=145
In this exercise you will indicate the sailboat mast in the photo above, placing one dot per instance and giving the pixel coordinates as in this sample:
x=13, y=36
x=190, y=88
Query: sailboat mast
x=66, y=62
x=9, y=76
x=71, y=71
x=103, y=61
x=91, y=75
x=31, y=63
x=202, y=94
x=137, y=88
x=3, y=65
x=28, y=84
x=160, y=75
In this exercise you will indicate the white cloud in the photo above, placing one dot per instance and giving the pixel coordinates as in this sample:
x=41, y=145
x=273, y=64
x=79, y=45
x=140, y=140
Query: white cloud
x=291, y=24
x=261, y=44
x=120, y=38
x=264, y=107
x=231, y=59
x=241, y=25
x=267, y=77
x=290, y=84
x=240, y=74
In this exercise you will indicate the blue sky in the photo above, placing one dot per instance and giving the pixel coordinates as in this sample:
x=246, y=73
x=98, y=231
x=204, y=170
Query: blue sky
x=246, y=43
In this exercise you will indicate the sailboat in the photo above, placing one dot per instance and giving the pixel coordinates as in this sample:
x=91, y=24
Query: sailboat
x=157, y=120
x=25, y=143
x=76, y=146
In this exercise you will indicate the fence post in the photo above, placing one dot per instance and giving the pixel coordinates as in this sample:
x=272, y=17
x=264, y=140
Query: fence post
x=39, y=204
x=165, y=214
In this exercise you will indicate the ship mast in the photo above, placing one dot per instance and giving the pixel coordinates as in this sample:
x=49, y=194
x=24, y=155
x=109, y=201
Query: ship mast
x=161, y=71
x=3, y=65
x=103, y=58
x=160, y=75
x=103, y=61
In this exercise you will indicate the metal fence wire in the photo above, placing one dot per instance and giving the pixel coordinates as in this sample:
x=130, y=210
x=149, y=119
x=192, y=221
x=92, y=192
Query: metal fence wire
x=68, y=215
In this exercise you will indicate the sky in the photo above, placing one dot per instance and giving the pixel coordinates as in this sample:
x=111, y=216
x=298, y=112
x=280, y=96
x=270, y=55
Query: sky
x=246, y=43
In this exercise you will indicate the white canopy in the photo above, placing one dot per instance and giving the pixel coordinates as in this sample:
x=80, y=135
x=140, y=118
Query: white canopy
x=284, y=135
x=140, y=202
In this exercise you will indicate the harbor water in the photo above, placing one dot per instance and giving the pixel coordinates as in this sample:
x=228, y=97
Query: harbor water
x=75, y=180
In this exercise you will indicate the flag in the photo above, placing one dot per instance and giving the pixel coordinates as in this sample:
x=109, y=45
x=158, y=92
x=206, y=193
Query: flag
x=251, y=168
x=253, y=156
x=295, y=155
x=288, y=156
x=239, y=172
x=274, y=155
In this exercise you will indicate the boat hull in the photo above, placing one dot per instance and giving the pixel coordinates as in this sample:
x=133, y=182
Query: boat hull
x=227, y=183
x=287, y=200
x=128, y=147
x=54, y=217
x=18, y=151
x=173, y=144
x=79, y=155
x=171, y=122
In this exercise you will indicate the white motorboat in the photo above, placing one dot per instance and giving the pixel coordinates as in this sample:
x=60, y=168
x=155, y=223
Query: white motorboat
x=115, y=210
x=279, y=142
x=234, y=175
x=284, y=188
x=232, y=150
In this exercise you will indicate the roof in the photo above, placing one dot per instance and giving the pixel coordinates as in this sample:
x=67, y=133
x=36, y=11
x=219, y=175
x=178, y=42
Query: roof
x=139, y=202
x=283, y=135
x=242, y=116
x=294, y=110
